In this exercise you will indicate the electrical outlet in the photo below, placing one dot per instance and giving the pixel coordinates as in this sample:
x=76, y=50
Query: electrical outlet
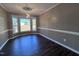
x=64, y=40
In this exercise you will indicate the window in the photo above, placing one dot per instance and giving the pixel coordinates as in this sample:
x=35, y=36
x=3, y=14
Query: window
x=25, y=24
x=15, y=24
x=33, y=24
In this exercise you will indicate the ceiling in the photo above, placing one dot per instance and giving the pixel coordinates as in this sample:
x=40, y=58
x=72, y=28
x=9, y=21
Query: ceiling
x=37, y=8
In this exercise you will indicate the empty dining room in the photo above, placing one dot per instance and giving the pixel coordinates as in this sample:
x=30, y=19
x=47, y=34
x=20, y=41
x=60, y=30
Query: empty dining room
x=39, y=29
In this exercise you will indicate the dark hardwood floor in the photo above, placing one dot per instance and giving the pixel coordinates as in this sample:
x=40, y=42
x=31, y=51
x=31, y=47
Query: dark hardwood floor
x=34, y=45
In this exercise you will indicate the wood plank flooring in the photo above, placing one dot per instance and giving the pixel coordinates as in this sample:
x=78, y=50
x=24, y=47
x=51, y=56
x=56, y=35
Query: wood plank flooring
x=34, y=45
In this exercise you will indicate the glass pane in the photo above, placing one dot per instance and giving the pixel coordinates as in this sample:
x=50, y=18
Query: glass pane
x=15, y=24
x=34, y=24
x=24, y=24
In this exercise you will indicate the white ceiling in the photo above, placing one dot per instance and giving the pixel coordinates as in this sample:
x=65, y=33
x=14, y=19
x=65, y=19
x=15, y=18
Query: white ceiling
x=37, y=8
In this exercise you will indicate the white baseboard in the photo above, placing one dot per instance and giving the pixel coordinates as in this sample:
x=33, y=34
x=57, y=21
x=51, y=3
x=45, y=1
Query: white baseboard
x=22, y=35
x=60, y=44
x=4, y=44
x=13, y=38
x=45, y=37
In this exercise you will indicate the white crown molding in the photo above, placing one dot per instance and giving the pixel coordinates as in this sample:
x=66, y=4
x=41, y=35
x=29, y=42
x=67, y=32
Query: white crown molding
x=3, y=6
x=50, y=8
x=53, y=6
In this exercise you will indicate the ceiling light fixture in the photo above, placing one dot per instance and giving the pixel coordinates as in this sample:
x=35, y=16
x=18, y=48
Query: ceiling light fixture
x=27, y=11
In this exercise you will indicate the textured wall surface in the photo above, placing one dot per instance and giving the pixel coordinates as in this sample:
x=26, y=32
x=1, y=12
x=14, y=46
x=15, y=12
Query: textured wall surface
x=62, y=17
x=3, y=26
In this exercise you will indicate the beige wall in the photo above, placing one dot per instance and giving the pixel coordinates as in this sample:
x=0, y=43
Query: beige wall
x=3, y=26
x=64, y=17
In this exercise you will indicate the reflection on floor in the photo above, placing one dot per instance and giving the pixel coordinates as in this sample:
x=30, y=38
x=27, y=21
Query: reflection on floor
x=34, y=45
